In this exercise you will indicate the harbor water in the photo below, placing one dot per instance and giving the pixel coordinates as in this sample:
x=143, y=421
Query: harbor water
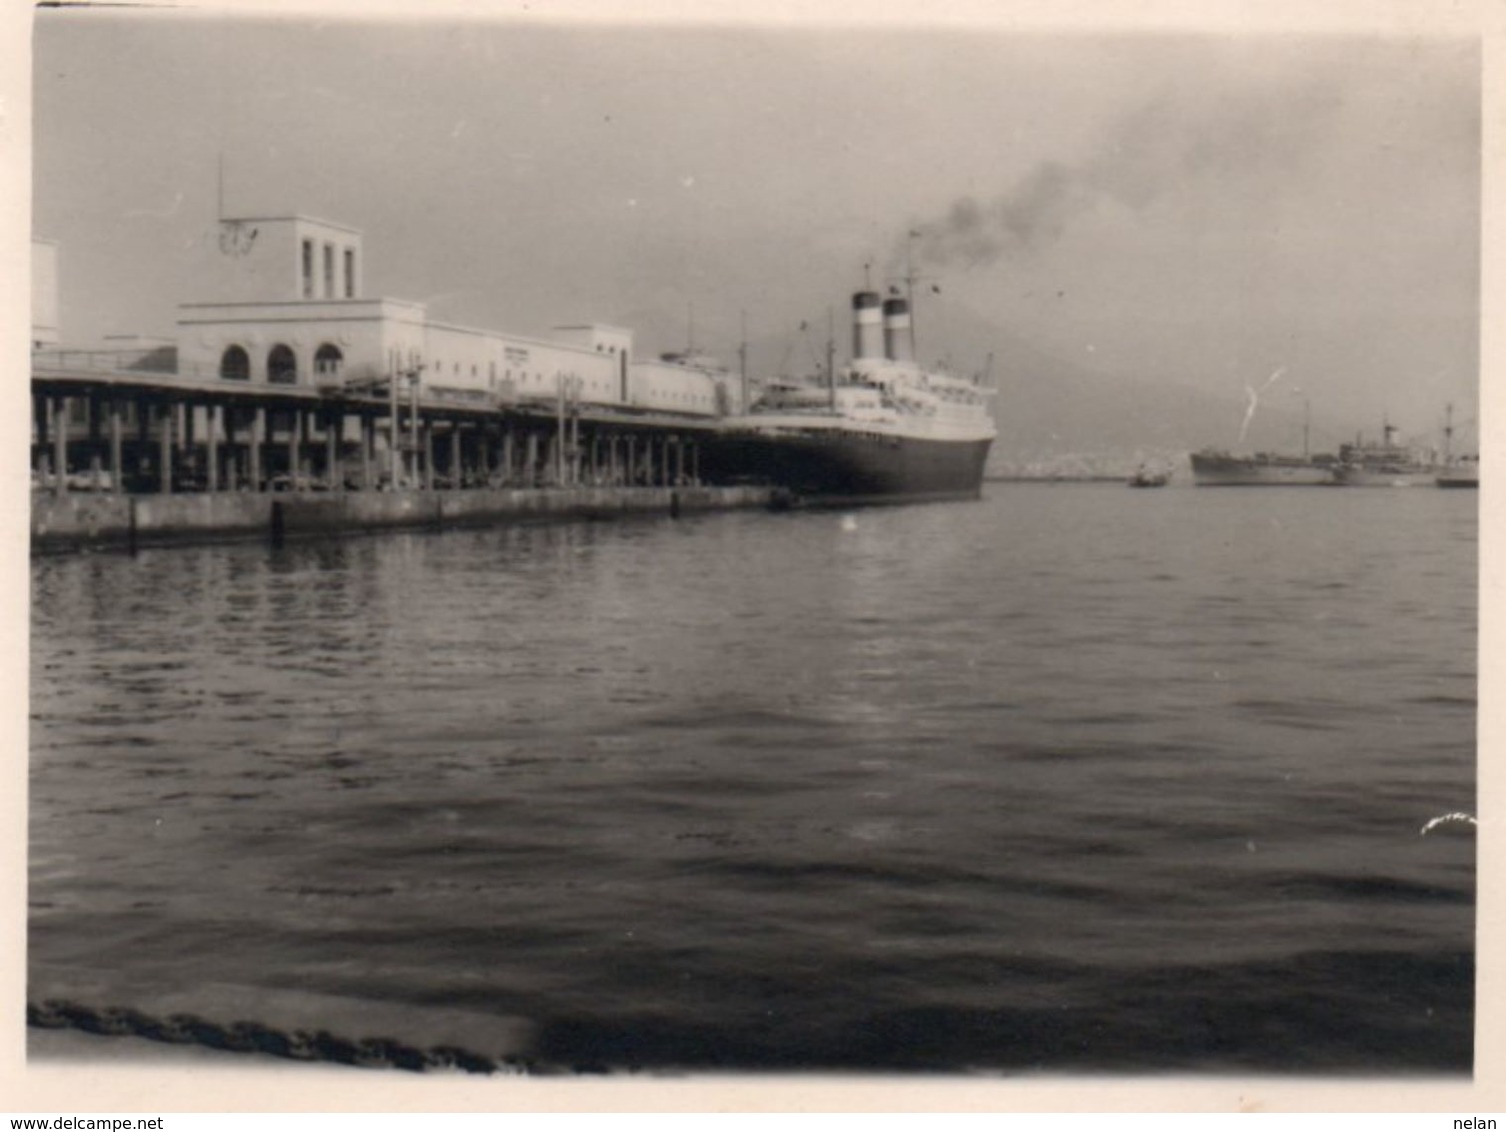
x=1073, y=779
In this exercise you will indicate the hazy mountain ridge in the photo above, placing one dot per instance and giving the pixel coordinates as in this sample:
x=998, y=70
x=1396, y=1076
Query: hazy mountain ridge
x=1058, y=416
x=1050, y=407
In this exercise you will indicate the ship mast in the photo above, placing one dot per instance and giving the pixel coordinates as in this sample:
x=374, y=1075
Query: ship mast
x=909, y=279
x=910, y=287
x=831, y=357
x=742, y=360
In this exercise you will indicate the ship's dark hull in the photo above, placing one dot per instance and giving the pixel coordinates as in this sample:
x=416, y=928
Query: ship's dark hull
x=1399, y=475
x=838, y=466
x=1458, y=479
x=1222, y=470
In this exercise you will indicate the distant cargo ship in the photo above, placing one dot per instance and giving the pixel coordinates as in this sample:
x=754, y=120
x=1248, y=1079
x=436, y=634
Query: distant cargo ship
x=1387, y=464
x=1464, y=472
x=1214, y=468
x=880, y=430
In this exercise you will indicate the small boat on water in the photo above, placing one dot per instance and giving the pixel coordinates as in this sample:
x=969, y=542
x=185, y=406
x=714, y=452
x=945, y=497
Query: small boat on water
x=1145, y=477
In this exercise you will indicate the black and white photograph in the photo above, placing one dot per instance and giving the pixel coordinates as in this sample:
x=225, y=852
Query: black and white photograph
x=570, y=544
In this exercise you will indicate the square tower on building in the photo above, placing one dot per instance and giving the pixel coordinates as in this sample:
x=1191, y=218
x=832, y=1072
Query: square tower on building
x=283, y=305
x=273, y=259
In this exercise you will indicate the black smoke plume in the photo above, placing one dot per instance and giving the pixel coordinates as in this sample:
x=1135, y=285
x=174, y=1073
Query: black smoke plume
x=1165, y=146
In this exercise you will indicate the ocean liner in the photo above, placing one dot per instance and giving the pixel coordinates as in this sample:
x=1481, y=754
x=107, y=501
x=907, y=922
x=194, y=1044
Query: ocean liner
x=882, y=429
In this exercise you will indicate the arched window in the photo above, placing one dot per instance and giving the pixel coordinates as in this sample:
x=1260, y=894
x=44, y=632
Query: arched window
x=235, y=364
x=282, y=365
x=327, y=360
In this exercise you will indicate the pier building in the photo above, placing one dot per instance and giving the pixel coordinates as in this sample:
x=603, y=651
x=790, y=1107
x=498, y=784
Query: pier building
x=284, y=375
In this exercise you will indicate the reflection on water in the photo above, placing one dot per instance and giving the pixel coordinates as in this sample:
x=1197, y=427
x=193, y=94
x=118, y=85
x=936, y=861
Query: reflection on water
x=1073, y=777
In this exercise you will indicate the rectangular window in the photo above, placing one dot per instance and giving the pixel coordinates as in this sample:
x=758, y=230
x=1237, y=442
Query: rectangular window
x=308, y=269
x=329, y=271
x=350, y=273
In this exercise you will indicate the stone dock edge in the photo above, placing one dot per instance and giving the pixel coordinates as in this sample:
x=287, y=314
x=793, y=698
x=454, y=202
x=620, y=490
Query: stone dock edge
x=81, y=521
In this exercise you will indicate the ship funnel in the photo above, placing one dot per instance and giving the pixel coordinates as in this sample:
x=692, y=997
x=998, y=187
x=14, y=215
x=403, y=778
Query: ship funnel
x=867, y=328
x=897, y=331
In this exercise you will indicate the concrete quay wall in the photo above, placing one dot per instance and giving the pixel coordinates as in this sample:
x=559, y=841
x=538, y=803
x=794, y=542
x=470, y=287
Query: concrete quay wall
x=79, y=520
x=85, y=520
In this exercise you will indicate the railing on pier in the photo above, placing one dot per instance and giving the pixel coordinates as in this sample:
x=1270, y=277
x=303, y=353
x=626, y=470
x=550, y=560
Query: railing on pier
x=149, y=359
x=163, y=362
x=159, y=367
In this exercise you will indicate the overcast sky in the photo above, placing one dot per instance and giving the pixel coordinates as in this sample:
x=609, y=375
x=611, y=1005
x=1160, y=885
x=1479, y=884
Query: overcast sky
x=1196, y=208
